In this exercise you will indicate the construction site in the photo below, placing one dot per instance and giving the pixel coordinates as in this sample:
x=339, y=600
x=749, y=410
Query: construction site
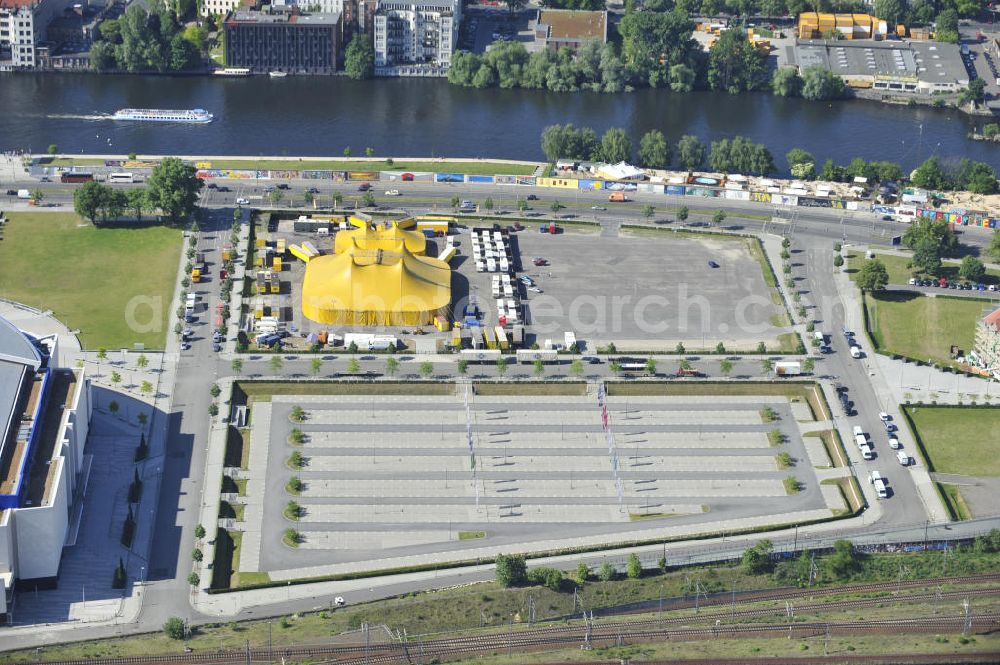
x=433, y=284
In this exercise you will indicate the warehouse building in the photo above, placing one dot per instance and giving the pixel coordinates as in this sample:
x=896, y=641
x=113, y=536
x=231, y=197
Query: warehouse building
x=288, y=42
x=894, y=66
x=44, y=420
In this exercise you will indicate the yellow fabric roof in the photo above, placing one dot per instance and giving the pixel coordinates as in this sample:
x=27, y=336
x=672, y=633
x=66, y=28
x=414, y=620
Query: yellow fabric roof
x=375, y=286
x=392, y=239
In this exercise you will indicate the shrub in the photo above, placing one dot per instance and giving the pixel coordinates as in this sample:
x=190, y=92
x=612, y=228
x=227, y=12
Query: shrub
x=606, y=572
x=633, y=568
x=197, y=554
x=550, y=578
x=194, y=579
x=511, y=570
x=174, y=628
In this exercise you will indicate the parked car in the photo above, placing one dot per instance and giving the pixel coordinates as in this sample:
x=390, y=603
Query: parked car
x=392, y=192
x=242, y=202
x=598, y=208
x=894, y=443
x=216, y=347
x=713, y=264
x=531, y=197
x=364, y=187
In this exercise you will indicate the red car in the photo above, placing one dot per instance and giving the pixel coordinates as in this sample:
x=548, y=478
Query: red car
x=540, y=262
x=364, y=187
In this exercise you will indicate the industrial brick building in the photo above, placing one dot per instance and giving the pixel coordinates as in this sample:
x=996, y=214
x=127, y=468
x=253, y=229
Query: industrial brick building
x=44, y=420
x=288, y=42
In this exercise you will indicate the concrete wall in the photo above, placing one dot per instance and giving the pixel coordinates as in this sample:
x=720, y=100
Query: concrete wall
x=41, y=533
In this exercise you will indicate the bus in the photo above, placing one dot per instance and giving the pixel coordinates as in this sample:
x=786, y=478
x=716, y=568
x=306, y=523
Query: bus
x=76, y=176
x=121, y=177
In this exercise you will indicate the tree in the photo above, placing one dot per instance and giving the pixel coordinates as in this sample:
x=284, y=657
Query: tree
x=462, y=366
x=89, y=200
x=514, y=5
x=142, y=361
x=946, y=29
x=194, y=579
x=308, y=198
x=930, y=175
x=116, y=378
x=606, y=572
x=843, y=562
x=338, y=198
x=653, y=42
x=391, y=366
x=426, y=369
x=682, y=78
x=359, y=58
x=690, y=152
x=654, y=151
x=538, y=367
x=174, y=628
x=975, y=93
x=353, y=366
x=276, y=195
x=616, y=146
x=102, y=55
x=972, y=269
x=718, y=217
x=757, y=559
x=173, y=188
x=786, y=82
x=648, y=211
x=725, y=367
x=682, y=214
x=981, y=179
x=511, y=570
x=891, y=11
x=369, y=152
x=937, y=232
x=146, y=387
x=808, y=365
x=276, y=364
x=838, y=261
x=53, y=149
x=113, y=406
x=488, y=203
x=994, y=248
x=873, y=276
x=501, y=367
x=316, y=366
x=633, y=568
x=237, y=366
x=576, y=367
x=582, y=573
x=137, y=201
x=819, y=84
x=368, y=200
x=766, y=365
x=735, y=65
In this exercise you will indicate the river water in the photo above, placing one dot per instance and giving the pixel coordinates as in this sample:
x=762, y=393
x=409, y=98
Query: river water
x=417, y=117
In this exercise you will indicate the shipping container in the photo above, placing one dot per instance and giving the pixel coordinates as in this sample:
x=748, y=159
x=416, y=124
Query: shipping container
x=787, y=368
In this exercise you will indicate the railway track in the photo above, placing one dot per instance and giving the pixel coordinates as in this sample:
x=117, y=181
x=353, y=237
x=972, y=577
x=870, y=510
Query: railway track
x=624, y=631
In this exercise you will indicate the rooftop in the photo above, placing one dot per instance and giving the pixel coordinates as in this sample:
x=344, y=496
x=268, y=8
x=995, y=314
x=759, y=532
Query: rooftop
x=16, y=347
x=993, y=319
x=927, y=61
x=316, y=18
x=572, y=24
x=14, y=4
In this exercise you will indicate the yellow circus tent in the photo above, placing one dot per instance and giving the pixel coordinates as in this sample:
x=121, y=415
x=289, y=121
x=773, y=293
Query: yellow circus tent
x=378, y=276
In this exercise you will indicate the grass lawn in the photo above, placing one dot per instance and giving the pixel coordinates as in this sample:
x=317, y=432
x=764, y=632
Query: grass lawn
x=261, y=391
x=899, y=273
x=530, y=388
x=795, y=392
x=484, y=167
x=956, y=440
x=921, y=327
x=87, y=276
x=953, y=498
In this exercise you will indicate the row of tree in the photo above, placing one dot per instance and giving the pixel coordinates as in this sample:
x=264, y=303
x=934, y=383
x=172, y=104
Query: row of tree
x=148, y=40
x=740, y=155
x=172, y=189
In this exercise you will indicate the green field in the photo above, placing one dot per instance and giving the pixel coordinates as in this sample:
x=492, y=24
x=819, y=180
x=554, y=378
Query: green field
x=87, y=276
x=962, y=441
x=921, y=327
x=475, y=168
x=900, y=273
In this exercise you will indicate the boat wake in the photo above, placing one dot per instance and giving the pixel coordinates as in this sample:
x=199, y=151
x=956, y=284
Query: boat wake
x=76, y=116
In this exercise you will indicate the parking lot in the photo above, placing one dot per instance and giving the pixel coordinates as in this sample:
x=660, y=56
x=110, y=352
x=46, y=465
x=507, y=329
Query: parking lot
x=396, y=476
x=640, y=292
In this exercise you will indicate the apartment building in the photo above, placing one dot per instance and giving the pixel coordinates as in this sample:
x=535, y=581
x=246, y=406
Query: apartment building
x=23, y=30
x=288, y=42
x=416, y=32
x=987, y=343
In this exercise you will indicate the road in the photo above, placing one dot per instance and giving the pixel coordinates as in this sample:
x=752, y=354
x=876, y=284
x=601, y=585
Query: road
x=812, y=231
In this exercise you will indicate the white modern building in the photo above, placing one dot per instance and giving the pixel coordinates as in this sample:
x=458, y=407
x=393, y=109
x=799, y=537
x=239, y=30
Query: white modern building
x=44, y=419
x=219, y=7
x=416, y=32
x=17, y=35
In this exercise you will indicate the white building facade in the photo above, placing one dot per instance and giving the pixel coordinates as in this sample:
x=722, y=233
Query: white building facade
x=417, y=32
x=44, y=421
x=17, y=36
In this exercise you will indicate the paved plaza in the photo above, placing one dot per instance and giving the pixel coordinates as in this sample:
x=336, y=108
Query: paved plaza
x=392, y=476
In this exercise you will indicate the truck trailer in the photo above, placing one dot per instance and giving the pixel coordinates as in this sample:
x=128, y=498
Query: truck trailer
x=791, y=368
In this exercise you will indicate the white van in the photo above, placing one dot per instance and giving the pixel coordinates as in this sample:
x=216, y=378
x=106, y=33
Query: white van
x=902, y=458
x=855, y=351
x=861, y=441
x=867, y=452
x=880, y=489
x=858, y=431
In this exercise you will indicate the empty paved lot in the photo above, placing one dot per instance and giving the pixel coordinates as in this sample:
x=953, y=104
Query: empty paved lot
x=394, y=476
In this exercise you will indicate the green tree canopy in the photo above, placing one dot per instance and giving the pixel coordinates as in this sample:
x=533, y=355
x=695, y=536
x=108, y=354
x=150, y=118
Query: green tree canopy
x=690, y=152
x=359, y=58
x=616, y=146
x=786, y=82
x=873, y=276
x=654, y=151
x=819, y=83
x=735, y=65
x=173, y=188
